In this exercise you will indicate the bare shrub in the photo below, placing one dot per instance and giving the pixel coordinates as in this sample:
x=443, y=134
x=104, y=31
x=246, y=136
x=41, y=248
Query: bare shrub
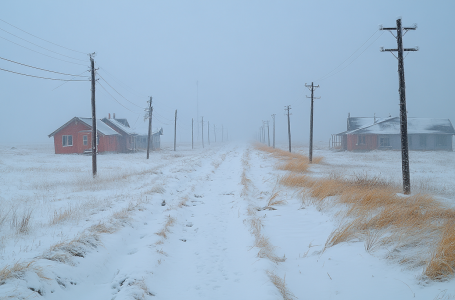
x=21, y=224
x=165, y=230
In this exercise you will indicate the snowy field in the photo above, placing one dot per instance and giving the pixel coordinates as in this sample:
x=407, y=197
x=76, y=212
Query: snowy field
x=190, y=224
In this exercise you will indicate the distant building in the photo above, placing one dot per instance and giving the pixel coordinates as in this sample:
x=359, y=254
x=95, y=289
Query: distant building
x=75, y=136
x=113, y=135
x=365, y=134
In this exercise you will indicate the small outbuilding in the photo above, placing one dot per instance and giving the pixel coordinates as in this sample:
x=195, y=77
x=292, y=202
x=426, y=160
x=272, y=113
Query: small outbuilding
x=75, y=136
x=365, y=134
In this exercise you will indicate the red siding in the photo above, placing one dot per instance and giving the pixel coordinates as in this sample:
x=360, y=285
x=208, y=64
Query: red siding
x=72, y=129
x=78, y=129
x=371, y=143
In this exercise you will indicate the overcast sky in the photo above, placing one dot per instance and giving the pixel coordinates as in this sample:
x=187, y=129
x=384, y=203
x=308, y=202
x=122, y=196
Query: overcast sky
x=250, y=59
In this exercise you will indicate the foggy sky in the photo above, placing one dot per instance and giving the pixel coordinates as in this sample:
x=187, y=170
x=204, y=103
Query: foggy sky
x=250, y=59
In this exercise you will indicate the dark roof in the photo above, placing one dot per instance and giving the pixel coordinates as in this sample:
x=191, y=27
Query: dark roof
x=101, y=127
x=124, y=122
x=359, y=122
x=116, y=124
x=415, y=126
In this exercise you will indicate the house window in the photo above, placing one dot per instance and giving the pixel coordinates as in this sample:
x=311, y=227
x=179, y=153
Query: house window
x=441, y=140
x=360, y=140
x=67, y=140
x=384, y=142
x=85, y=140
x=423, y=140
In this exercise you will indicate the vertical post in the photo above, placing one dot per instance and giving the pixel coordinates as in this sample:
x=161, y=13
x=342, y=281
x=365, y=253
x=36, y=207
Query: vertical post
x=268, y=134
x=403, y=114
x=175, y=130
x=289, y=127
x=192, y=134
x=202, y=132
x=311, y=125
x=273, y=116
x=150, y=126
x=94, y=131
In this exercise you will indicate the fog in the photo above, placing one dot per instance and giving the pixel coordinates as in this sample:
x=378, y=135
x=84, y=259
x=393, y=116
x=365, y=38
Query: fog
x=233, y=62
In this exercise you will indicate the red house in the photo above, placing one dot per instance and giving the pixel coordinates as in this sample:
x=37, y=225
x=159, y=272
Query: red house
x=75, y=136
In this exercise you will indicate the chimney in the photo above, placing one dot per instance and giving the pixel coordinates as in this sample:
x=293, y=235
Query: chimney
x=113, y=116
x=109, y=116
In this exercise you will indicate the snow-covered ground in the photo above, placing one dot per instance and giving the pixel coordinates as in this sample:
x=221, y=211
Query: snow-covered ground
x=185, y=225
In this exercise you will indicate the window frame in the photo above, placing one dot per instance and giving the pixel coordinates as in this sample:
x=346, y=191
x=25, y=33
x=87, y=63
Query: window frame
x=361, y=140
x=85, y=139
x=382, y=140
x=66, y=139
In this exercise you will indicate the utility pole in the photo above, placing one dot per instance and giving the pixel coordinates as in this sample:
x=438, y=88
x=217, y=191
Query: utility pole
x=273, y=117
x=202, y=132
x=289, y=126
x=150, y=110
x=402, y=91
x=312, y=87
x=192, y=134
x=175, y=130
x=197, y=108
x=94, y=131
x=268, y=134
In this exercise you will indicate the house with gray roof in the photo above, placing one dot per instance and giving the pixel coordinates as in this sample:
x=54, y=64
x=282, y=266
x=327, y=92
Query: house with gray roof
x=365, y=134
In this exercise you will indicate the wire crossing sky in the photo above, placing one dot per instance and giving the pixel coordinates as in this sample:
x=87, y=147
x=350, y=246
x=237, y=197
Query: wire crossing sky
x=238, y=61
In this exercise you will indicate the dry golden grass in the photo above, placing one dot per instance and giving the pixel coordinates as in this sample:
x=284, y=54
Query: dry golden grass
x=280, y=285
x=418, y=230
x=169, y=222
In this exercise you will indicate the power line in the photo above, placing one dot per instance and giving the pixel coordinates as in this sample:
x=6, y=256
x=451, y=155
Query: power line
x=118, y=92
x=353, y=59
x=41, y=38
x=44, y=77
x=71, y=62
x=41, y=68
x=67, y=81
x=116, y=99
x=350, y=55
x=39, y=45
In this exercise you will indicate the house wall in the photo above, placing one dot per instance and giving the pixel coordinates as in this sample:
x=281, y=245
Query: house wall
x=431, y=142
x=72, y=129
x=107, y=143
x=371, y=142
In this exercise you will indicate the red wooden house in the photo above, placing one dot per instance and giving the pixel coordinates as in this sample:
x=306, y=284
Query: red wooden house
x=75, y=136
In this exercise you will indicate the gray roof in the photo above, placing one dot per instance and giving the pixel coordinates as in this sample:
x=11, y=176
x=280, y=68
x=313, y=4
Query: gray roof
x=415, y=126
x=120, y=125
x=101, y=127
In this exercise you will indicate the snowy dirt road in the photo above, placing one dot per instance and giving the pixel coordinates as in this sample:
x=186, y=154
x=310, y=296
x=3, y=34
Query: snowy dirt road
x=202, y=226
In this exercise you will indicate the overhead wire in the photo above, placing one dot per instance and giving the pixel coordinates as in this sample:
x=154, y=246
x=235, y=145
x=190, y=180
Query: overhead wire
x=354, y=58
x=58, y=79
x=323, y=77
x=40, y=46
x=118, y=92
x=115, y=98
x=40, y=68
x=67, y=81
x=41, y=38
x=71, y=62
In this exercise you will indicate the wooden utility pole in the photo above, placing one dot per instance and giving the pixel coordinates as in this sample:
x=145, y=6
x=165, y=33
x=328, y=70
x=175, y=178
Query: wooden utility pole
x=175, y=130
x=289, y=125
x=202, y=132
x=192, y=134
x=273, y=117
x=208, y=132
x=150, y=110
x=94, y=131
x=402, y=91
x=312, y=87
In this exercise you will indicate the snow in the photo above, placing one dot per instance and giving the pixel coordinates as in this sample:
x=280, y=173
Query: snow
x=209, y=251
